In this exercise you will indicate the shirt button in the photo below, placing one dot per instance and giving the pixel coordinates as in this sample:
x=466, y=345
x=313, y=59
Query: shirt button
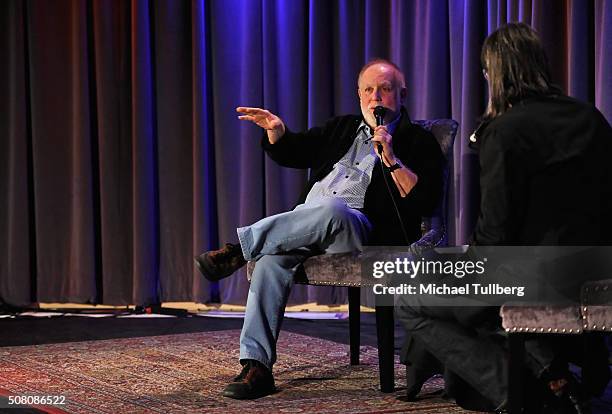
x=334, y=192
x=346, y=176
x=356, y=163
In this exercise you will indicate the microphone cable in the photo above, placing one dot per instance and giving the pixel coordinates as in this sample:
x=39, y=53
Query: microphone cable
x=379, y=113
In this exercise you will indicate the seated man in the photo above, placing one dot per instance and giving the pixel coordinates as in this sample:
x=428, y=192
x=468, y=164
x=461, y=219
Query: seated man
x=345, y=203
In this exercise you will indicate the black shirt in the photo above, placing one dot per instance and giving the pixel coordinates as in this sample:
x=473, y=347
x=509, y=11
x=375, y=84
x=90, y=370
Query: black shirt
x=546, y=175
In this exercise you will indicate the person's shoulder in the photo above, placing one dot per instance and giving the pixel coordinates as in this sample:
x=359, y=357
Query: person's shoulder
x=513, y=117
x=542, y=112
x=571, y=101
x=524, y=115
x=503, y=131
x=585, y=109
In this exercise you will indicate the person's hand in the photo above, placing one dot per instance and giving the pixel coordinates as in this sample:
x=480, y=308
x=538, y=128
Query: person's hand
x=265, y=119
x=382, y=137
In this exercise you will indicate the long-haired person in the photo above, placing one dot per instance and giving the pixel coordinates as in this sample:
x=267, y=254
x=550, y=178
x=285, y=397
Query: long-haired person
x=546, y=179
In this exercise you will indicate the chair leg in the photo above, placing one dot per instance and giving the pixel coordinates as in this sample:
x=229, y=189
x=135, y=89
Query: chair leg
x=354, y=294
x=516, y=343
x=385, y=330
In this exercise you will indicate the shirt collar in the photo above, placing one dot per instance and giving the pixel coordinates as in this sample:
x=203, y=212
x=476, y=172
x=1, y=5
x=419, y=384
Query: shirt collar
x=367, y=131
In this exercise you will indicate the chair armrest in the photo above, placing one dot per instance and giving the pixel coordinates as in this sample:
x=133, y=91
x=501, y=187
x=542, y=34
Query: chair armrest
x=434, y=234
x=596, y=298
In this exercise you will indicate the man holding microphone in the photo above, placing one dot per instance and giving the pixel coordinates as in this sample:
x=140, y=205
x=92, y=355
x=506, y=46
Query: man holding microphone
x=345, y=205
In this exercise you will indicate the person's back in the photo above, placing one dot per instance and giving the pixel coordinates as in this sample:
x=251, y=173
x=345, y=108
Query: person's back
x=556, y=156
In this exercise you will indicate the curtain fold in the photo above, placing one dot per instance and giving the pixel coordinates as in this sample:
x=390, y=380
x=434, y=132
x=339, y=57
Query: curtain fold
x=61, y=128
x=469, y=25
x=145, y=166
x=112, y=73
x=121, y=155
x=204, y=187
x=17, y=236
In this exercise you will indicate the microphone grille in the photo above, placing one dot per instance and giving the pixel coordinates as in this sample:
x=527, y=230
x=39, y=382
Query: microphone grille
x=380, y=111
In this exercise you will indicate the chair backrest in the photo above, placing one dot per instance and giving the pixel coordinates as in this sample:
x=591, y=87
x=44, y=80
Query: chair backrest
x=434, y=227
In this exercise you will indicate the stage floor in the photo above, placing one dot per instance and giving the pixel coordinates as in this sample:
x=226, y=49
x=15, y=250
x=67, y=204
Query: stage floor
x=52, y=331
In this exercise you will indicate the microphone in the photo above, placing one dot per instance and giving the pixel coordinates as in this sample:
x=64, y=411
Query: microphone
x=379, y=114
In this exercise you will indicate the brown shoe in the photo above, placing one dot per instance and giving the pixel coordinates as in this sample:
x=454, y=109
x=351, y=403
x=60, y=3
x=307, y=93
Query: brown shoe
x=217, y=264
x=254, y=381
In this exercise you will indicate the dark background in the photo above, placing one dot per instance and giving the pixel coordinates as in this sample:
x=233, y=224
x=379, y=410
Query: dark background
x=121, y=156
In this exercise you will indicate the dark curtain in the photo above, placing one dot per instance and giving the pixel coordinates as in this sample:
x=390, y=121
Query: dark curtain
x=121, y=156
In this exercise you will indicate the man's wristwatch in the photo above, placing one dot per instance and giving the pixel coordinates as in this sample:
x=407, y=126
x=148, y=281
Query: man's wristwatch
x=394, y=167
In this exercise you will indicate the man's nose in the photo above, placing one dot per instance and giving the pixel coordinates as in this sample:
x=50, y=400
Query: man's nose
x=376, y=94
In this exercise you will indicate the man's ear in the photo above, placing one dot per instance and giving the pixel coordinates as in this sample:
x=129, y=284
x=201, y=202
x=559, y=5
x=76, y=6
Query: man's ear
x=403, y=94
x=359, y=93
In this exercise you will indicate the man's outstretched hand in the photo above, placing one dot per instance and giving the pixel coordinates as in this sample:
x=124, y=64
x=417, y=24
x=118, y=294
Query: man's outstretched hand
x=265, y=119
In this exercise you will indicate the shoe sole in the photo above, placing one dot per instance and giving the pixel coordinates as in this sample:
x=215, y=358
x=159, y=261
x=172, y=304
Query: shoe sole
x=237, y=396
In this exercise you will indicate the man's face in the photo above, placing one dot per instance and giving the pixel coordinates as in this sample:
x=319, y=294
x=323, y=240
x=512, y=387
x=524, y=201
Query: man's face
x=379, y=86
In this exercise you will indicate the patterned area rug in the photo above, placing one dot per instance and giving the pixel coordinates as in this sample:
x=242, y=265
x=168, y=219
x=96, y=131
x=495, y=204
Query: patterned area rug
x=186, y=373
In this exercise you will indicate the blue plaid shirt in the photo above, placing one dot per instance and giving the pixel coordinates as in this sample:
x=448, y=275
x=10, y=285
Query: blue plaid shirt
x=351, y=175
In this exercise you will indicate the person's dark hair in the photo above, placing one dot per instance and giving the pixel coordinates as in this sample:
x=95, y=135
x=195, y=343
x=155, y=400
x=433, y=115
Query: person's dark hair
x=399, y=75
x=515, y=66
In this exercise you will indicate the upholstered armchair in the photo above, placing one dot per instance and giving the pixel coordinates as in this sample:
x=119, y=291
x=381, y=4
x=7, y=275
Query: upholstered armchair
x=345, y=269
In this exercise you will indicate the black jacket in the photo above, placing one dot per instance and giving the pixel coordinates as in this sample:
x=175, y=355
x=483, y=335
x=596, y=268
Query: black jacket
x=546, y=175
x=320, y=148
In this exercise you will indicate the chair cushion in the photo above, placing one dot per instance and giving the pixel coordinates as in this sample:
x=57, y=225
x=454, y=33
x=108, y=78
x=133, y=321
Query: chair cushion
x=332, y=270
x=326, y=270
x=541, y=319
x=343, y=269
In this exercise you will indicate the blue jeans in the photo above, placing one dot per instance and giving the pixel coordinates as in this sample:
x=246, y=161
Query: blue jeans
x=279, y=244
